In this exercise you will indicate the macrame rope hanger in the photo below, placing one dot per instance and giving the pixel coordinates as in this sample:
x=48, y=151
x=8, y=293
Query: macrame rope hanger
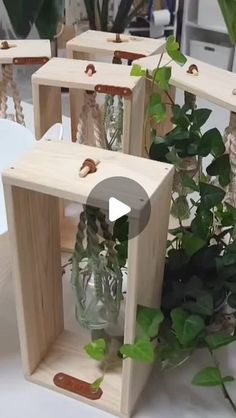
x=90, y=107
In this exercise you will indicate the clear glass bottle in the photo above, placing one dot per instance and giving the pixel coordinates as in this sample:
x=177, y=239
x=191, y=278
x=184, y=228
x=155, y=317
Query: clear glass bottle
x=98, y=290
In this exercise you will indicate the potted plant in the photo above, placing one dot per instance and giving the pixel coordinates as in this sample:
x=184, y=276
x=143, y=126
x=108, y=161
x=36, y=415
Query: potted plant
x=199, y=293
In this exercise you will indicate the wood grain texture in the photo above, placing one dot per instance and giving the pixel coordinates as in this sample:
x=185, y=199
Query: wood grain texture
x=5, y=261
x=33, y=221
x=68, y=356
x=146, y=260
x=25, y=49
x=96, y=42
x=137, y=121
x=70, y=73
x=47, y=108
x=212, y=83
x=32, y=202
x=58, y=164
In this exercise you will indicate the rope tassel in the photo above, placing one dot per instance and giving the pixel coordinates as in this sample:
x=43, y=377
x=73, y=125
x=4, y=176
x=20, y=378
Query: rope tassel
x=8, y=82
x=90, y=107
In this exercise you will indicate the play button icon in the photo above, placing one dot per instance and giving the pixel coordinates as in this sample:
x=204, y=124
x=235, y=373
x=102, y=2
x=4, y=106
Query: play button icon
x=120, y=198
x=117, y=209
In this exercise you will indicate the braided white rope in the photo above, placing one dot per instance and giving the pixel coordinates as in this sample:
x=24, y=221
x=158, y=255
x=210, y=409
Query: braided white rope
x=3, y=98
x=82, y=136
x=230, y=145
x=7, y=81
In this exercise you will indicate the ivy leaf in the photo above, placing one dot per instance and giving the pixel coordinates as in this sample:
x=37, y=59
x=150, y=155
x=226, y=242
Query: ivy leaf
x=193, y=326
x=220, y=167
x=172, y=48
x=177, y=259
x=162, y=77
x=211, y=143
x=180, y=208
x=217, y=143
x=208, y=377
x=158, y=150
x=187, y=327
x=203, y=305
x=188, y=182
x=142, y=350
x=172, y=44
x=149, y=320
x=178, y=317
x=97, y=349
x=200, y=117
x=95, y=386
x=177, y=134
x=210, y=195
x=137, y=71
x=156, y=108
x=202, y=223
x=216, y=341
x=192, y=244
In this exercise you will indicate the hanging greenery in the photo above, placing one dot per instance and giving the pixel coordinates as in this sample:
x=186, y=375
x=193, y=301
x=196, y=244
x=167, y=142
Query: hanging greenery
x=228, y=8
x=199, y=292
x=98, y=14
x=45, y=14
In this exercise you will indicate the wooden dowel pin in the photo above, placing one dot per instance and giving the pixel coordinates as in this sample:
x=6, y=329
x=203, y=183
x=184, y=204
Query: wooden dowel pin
x=193, y=69
x=88, y=166
x=118, y=39
x=90, y=70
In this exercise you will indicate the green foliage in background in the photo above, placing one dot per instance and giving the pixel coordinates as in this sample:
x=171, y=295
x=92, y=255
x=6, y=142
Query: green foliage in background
x=228, y=8
x=99, y=17
x=45, y=14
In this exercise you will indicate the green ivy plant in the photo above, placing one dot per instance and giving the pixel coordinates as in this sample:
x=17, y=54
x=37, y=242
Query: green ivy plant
x=200, y=269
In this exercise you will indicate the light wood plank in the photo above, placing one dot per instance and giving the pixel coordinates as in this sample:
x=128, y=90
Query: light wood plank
x=146, y=259
x=33, y=221
x=47, y=108
x=137, y=121
x=25, y=49
x=58, y=164
x=68, y=356
x=212, y=83
x=5, y=260
x=70, y=73
x=96, y=42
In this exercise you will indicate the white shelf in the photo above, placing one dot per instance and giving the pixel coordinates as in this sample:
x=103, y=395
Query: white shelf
x=193, y=29
x=209, y=28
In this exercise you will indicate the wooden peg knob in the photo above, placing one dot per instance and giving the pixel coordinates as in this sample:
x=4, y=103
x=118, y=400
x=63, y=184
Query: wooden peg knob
x=88, y=166
x=5, y=45
x=90, y=70
x=193, y=69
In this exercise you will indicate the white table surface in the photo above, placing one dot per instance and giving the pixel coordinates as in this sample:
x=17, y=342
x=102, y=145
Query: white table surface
x=15, y=141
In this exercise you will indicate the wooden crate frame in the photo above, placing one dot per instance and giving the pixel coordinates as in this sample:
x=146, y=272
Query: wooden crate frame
x=60, y=72
x=25, y=52
x=92, y=43
x=20, y=52
x=32, y=202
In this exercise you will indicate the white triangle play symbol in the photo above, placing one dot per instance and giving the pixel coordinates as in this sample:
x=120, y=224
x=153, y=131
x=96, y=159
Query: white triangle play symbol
x=117, y=209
